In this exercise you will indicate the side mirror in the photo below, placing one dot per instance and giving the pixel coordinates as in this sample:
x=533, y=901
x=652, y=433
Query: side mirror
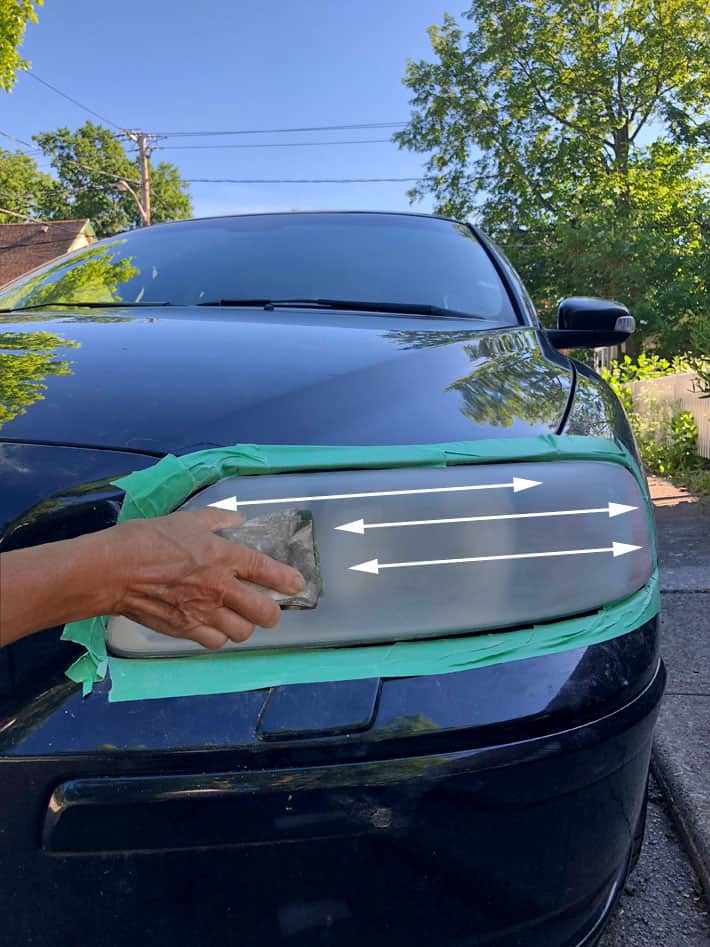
x=587, y=322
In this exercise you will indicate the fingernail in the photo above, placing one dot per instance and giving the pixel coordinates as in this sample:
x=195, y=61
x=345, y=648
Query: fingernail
x=297, y=585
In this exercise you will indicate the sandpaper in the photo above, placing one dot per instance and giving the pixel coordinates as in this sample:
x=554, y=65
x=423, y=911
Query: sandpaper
x=287, y=536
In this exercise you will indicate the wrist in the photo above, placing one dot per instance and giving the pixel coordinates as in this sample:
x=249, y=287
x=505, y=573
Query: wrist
x=106, y=550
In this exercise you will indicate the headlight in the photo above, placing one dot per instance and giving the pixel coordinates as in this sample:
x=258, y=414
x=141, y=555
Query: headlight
x=414, y=553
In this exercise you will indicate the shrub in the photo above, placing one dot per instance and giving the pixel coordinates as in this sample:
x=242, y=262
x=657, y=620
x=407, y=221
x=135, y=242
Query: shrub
x=667, y=440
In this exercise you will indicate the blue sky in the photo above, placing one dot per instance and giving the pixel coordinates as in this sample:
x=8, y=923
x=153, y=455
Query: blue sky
x=170, y=65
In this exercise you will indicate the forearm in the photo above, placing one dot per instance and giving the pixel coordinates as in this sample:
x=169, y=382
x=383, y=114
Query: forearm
x=53, y=584
x=171, y=573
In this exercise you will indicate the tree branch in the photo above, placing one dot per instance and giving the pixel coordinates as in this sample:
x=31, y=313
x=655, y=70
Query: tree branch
x=552, y=114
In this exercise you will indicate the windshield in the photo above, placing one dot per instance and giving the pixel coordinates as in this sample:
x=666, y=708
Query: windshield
x=390, y=258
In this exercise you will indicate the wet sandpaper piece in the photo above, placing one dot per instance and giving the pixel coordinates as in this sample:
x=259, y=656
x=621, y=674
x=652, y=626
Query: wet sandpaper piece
x=286, y=536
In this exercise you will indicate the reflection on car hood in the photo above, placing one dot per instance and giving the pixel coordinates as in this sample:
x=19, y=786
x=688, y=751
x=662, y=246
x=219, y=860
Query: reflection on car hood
x=182, y=379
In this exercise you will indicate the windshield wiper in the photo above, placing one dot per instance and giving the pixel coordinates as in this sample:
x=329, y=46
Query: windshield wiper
x=246, y=303
x=85, y=305
x=355, y=305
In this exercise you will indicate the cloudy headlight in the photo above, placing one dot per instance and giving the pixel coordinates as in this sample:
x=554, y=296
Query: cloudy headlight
x=418, y=553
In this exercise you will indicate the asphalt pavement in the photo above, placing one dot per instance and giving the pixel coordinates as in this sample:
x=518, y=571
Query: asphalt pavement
x=681, y=758
x=663, y=902
x=666, y=899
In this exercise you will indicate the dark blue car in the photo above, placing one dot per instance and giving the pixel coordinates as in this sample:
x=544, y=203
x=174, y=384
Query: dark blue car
x=466, y=801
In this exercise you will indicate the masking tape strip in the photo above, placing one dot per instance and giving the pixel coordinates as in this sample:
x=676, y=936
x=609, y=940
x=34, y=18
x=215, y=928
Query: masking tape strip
x=163, y=487
x=139, y=679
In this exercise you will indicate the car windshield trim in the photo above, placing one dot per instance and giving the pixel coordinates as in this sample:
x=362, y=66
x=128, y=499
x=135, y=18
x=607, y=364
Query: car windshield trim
x=356, y=305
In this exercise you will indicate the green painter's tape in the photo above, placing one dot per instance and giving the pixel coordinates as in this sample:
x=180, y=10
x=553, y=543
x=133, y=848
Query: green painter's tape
x=138, y=679
x=163, y=487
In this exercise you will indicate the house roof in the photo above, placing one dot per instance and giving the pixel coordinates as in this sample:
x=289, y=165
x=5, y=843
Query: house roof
x=26, y=246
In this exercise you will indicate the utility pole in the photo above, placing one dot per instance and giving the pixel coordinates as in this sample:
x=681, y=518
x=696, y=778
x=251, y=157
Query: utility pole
x=141, y=139
x=145, y=176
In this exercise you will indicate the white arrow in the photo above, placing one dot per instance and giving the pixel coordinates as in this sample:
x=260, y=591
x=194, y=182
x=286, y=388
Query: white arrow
x=359, y=526
x=374, y=565
x=517, y=484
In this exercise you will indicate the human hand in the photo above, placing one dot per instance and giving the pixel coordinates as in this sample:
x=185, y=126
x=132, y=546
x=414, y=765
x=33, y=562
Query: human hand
x=173, y=574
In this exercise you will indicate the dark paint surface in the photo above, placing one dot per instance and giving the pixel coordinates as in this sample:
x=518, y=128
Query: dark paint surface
x=507, y=700
x=512, y=843
x=597, y=411
x=496, y=805
x=177, y=380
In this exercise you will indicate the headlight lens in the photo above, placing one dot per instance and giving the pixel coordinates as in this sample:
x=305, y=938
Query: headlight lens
x=415, y=553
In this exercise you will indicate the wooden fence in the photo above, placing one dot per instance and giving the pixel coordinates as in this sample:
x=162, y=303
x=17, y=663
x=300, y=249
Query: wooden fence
x=657, y=399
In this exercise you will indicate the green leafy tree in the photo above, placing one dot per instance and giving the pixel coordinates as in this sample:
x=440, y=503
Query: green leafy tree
x=93, y=275
x=577, y=133
x=89, y=164
x=24, y=189
x=26, y=358
x=510, y=384
x=14, y=17
x=509, y=381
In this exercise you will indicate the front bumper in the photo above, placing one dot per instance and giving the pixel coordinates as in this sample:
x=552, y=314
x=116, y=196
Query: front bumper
x=522, y=841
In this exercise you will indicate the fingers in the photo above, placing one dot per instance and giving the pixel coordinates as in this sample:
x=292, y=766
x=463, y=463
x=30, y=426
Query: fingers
x=227, y=627
x=256, y=567
x=213, y=519
x=210, y=638
x=247, y=563
x=234, y=626
x=251, y=604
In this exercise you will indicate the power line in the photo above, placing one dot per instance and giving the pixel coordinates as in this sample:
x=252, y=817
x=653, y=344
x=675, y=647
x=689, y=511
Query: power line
x=73, y=100
x=280, y=131
x=295, y=180
x=277, y=144
x=26, y=217
x=108, y=174
x=240, y=131
x=9, y=196
x=20, y=141
x=123, y=183
x=77, y=164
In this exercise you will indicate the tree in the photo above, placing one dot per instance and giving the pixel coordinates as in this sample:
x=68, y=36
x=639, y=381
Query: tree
x=24, y=189
x=26, y=358
x=576, y=133
x=92, y=275
x=508, y=380
x=14, y=17
x=90, y=163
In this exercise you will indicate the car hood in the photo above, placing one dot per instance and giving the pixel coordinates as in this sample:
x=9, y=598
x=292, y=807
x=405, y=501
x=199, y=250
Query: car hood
x=183, y=379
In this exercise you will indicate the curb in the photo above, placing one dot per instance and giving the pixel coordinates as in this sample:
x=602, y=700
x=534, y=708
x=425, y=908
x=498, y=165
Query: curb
x=682, y=524
x=683, y=811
